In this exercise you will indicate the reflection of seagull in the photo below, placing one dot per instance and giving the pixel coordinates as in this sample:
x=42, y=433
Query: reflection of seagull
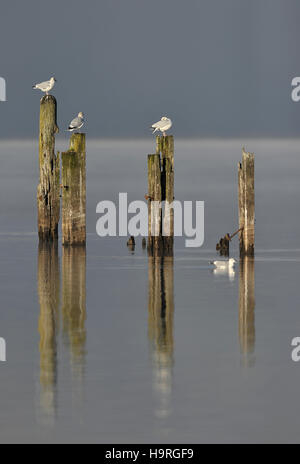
x=229, y=264
x=45, y=86
x=229, y=271
x=76, y=123
x=163, y=125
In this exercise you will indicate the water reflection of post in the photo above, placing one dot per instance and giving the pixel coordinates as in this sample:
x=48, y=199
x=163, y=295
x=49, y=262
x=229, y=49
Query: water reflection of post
x=74, y=305
x=160, y=326
x=246, y=310
x=48, y=290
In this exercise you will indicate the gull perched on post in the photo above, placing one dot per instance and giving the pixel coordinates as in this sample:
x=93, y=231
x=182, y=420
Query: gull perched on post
x=163, y=125
x=45, y=86
x=76, y=123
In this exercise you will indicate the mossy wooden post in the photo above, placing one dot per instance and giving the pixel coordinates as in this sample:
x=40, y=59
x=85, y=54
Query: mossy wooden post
x=154, y=204
x=74, y=192
x=246, y=204
x=166, y=145
x=48, y=189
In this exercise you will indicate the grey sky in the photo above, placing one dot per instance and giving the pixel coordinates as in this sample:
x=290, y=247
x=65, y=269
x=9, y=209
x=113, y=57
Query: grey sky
x=216, y=67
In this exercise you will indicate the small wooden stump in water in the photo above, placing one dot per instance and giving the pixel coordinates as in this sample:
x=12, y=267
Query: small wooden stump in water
x=131, y=243
x=48, y=203
x=74, y=192
x=223, y=246
x=246, y=204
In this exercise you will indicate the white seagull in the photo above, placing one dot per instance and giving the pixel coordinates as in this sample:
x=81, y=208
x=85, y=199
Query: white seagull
x=163, y=125
x=229, y=264
x=45, y=86
x=76, y=123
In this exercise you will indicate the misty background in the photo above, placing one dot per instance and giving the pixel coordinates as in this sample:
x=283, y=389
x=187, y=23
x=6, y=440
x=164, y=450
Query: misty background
x=216, y=67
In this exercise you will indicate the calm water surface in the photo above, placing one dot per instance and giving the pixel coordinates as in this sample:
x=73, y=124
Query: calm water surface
x=108, y=346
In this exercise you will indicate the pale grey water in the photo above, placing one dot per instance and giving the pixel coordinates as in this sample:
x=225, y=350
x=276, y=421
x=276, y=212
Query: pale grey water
x=96, y=354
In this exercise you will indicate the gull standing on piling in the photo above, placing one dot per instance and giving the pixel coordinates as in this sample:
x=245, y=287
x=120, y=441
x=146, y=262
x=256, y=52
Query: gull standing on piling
x=76, y=123
x=163, y=125
x=45, y=86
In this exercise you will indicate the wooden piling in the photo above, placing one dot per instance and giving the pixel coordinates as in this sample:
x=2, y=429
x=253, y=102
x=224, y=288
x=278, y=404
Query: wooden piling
x=155, y=242
x=246, y=204
x=74, y=192
x=167, y=154
x=48, y=203
x=161, y=188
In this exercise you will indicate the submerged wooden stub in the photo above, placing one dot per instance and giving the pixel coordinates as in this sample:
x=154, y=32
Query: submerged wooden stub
x=223, y=245
x=246, y=204
x=247, y=309
x=161, y=189
x=155, y=243
x=74, y=192
x=48, y=189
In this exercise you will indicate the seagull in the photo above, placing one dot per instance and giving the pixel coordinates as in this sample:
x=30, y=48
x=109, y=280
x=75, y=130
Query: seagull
x=163, y=125
x=45, y=86
x=229, y=264
x=76, y=123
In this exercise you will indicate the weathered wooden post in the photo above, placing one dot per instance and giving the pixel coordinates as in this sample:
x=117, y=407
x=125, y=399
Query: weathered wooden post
x=48, y=203
x=246, y=204
x=74, y=192
x=167, y=154
x=155, y=243
x=247, y=308
x=161, y=189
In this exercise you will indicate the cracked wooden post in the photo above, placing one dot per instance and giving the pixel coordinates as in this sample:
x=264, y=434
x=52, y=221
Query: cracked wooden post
x=48, y=203
x=154, y=205
x=167, y=160
x=246, y=204
x=74, y=192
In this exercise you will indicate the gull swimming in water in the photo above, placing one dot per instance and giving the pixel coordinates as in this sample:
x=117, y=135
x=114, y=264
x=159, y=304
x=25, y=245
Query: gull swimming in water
x=76, y=123
x=45, y=86
x=229, y=264
x=163, y=125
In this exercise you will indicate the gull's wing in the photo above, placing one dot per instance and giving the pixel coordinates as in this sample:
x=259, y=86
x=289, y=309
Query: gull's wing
x=159, y=124
x=76, y=122
x=43, y=85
